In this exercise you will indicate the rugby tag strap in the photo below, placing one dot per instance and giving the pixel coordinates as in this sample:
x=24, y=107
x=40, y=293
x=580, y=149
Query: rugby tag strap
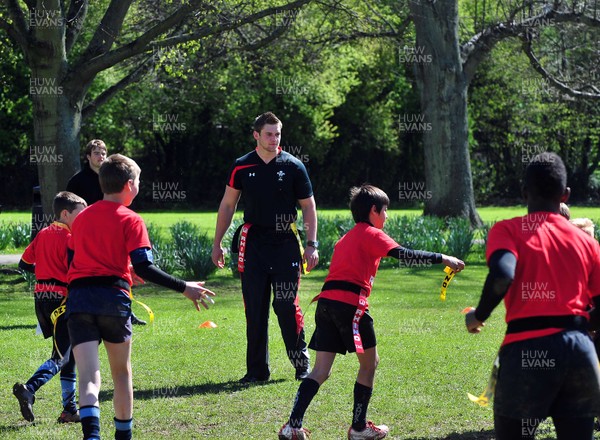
x=148, y=309
x=242, y=246
x=449, y=275
x=360, y=311
x=56, y=313
x=297, y=235
x=488, y=394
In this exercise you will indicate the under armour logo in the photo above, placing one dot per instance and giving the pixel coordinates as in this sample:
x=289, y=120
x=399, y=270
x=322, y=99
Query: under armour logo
x=252, y=174
x=280, y=174
x=295, y=264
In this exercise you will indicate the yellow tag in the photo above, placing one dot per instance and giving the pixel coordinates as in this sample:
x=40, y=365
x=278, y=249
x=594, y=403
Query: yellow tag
x=148, y=309
x=488, y=393
x=56, y=313
x=450, y=274
x=304, y=264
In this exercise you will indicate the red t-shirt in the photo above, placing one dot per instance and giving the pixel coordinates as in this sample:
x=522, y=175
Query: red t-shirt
x=103, y=236
x=48, y=251
x=356, y=258
x=557, y=273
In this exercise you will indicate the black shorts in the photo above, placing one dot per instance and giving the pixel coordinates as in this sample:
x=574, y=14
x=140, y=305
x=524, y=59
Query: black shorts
x=333, y=333
x=85, y=327
x=45, y=304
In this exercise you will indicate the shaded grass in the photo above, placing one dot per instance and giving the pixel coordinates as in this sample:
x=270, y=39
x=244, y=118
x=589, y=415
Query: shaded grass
x=185, y=378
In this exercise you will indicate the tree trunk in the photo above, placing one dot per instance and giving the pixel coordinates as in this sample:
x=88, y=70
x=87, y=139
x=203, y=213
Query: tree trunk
x=57, y=103
x=443, y=92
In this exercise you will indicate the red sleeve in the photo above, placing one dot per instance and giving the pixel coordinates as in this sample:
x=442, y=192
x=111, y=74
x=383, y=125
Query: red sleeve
x=29, y=254
x=501, y=237
x=136, y=235
x=594, y=279
x=379, y=244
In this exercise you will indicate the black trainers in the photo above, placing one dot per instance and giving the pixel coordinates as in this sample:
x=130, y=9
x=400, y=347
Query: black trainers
x=251, y=379
x=26, y=400
x=137, y=321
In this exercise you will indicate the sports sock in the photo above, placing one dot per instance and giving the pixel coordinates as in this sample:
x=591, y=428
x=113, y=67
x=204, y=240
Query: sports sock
x=90, y=422
x=44, y=373
x=362, y=395
x=123, y=429
x=67, y=385
x=306, y=391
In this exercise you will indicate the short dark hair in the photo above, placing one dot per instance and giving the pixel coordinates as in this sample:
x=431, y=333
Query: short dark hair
x=546, y=177
x=115, y=171
x=264, y=119
x=66, y=200
x=94, y=143
x=363, y=197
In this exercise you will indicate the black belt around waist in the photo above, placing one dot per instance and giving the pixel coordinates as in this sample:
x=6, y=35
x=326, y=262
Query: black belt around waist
x=569, y=322
x=51, y=282
x=342, y=285
x=108, y=281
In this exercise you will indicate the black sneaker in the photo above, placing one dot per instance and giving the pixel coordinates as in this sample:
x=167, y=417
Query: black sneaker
x=137, y=321
x=26, y=400
x=251, y=379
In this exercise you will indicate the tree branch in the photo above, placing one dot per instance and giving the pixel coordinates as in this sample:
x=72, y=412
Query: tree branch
x=13, y=34
x=478, y=47
x=75, y=20
x=105, y=96
x=140, y=45
x=108, y=29
x=20, y=29
x=526, y=45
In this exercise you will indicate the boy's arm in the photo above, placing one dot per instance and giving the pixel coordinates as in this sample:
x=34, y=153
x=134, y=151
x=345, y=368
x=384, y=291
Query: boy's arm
x=23, y=265
x=502, y=266
x=425, y=258
x=142, y=262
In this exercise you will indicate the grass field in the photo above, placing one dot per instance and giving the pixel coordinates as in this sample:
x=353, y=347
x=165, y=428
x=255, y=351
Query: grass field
x=185, y=378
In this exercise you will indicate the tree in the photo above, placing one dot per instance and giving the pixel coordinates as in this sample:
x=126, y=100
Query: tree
x=67, y=47
x=445, y=72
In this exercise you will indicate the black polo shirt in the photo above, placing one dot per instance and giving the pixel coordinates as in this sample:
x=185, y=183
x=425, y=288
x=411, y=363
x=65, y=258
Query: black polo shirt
x=86, y=184
x=270, y=191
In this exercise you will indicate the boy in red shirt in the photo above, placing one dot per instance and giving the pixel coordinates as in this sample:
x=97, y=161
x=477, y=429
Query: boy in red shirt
x=107, y=238
x=342, y=316
x=548, y=272
x=46, y=256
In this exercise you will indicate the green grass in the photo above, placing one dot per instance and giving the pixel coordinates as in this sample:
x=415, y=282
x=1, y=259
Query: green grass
x=185, y=378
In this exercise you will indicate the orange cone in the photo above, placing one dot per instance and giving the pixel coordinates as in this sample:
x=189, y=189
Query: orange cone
x=207, y=324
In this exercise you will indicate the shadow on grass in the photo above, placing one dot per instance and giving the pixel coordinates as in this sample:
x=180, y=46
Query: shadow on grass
x=470, y=435
x=18, y=327
x=180, y=391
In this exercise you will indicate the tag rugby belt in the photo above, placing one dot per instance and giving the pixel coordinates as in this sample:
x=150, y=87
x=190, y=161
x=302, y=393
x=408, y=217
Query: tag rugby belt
x=569, y=322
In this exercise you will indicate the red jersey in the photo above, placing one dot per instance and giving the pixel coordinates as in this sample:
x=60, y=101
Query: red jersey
x=48, y=251
x=356, y=258
x=103, y=236
x=557, y=273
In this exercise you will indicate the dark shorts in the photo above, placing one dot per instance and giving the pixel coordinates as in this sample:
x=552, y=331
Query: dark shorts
x=85, y=327
x=333, y=333
x=551, y=376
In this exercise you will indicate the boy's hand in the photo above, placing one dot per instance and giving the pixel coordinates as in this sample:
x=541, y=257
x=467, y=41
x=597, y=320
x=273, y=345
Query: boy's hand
x=453, y=262
x=196, y=292
x=472, y=323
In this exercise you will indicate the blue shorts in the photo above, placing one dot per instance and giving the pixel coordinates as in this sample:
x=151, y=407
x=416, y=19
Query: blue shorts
x=551, y=376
